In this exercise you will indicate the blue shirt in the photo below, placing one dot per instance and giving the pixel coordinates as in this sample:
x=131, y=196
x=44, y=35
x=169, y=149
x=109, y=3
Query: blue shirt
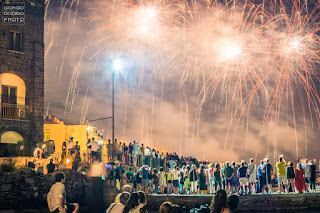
x=136, y=148
x=144, y=174
x=130, y=148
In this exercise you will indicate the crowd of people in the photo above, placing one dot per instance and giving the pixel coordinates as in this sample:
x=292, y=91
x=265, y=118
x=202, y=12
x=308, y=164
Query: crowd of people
x=170, y=174
x=140, y=170
x=154, y=171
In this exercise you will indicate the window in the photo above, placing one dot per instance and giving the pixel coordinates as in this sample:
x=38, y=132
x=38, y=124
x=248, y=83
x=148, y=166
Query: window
x=15, y=41
x=47, y=135
x=9, y=94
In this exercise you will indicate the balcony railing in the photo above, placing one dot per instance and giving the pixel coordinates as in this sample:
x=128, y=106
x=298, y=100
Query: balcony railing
x=14, y=109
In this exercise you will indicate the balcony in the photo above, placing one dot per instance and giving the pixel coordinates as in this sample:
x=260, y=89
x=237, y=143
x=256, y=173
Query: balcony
x=14, y=108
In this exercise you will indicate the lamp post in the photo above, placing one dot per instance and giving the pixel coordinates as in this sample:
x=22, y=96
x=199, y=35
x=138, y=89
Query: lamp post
x=115, y=65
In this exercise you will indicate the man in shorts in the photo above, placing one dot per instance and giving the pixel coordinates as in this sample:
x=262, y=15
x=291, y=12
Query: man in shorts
x=281, y=174
x=175, y=177
x=252, y=176
x=56, y=198
x=242, y=173
x=228, y=174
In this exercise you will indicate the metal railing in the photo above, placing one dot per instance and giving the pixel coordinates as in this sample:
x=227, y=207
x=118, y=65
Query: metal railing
x=14, y=111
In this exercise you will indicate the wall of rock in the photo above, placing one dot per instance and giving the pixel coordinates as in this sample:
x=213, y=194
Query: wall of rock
x=26, y=188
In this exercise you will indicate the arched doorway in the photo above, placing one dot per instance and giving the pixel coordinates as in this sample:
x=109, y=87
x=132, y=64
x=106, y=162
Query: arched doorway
x=11, y=144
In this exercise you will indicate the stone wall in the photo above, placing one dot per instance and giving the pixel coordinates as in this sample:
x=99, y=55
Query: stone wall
x=25, y=188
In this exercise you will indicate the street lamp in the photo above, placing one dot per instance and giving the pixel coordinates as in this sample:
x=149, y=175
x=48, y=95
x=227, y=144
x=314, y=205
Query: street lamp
x=115, y=65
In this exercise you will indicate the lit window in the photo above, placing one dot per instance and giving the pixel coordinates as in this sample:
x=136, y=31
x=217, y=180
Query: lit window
x=15, y=41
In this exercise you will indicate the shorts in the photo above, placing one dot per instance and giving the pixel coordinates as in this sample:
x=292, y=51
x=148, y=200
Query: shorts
x=252, y=179
x=243, y=181
x=175, y=183
x=145, y=182
x=70, y=207
x=282, y=179
x=169, y=181
x=229, y=181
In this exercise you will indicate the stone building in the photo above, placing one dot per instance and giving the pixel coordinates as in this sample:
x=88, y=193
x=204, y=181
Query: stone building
x=21, y=76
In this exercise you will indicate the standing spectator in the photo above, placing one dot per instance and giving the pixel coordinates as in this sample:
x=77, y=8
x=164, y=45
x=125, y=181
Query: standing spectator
x=261, y=177
x=281, y=174
x=268, y=170
x=193, y=179
x=242, y=173
x=120, y=150
x=110, y=170
x=77, y=149
x=118, y=174
x=229, y=173
x=130, y=153
x=153, y=158
x=162, y=156
x=94, y=149
x=211, y=175
x=252, y=176
x=64, y=151
x=202, y=180
x=89, y=154
x=70, y=147
x=155, y=181
x=150, y=179
x=138, y=180
x=147, y=156
x=307, y=175
x=96, y=188
x=130, y=177
x=110, y=151
x=169, y=179
x=51, y=167
x=172, y=163
x=175, y=179
x=217, y=177
x=299, y=180
x=235, y=179
x=56, y=197
x=125, y=154
x=162, y=180
x=158, y=159
x=290, y=177
x=313, y=175
x=186, y=186
x=145, y=178
x=135, y=153
x=141, y=153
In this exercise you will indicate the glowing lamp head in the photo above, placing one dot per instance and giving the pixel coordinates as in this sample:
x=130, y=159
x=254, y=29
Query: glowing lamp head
x=68, y=160
x=116, y=64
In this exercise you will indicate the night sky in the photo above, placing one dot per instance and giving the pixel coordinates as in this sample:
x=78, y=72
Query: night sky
x=165, y=96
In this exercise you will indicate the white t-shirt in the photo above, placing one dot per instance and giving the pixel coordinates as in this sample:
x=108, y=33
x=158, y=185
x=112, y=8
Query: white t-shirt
x=94, y=146
x=175, y=174
x=70, y=145
x=57, y=191
x=147, y=152
x=115, y=207
x=96, y=169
